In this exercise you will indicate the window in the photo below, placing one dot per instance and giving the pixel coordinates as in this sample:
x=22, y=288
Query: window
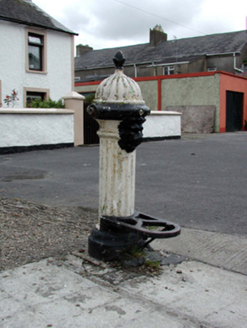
x=212, y=69
x=244, y=66
x=36, y=51
x=34, y=95
x=168, y=70
x=31, y=94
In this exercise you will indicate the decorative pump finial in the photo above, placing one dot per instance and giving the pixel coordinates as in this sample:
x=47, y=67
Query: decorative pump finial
x=119, y=60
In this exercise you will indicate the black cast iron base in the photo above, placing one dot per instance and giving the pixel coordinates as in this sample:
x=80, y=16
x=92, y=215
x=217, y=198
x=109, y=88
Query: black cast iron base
x=110, y=246
x=117, y=235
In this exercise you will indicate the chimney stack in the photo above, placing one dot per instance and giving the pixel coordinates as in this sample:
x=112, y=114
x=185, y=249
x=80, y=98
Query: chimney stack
x=156, y=35
x=81, y=49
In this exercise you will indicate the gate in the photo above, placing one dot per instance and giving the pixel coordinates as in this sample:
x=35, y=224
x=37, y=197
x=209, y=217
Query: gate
x=90, y=128
x=234, y=111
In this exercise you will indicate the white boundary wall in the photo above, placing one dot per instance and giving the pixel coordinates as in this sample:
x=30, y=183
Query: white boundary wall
x=29, y=127
x=25, y=127
x=162, y=124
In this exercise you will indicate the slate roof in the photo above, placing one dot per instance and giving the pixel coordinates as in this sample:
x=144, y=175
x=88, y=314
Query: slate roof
x=179, y=50
x=26, y=12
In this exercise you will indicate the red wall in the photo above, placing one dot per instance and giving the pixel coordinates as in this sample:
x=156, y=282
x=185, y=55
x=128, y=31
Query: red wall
x=157, y=78
x=230, y=82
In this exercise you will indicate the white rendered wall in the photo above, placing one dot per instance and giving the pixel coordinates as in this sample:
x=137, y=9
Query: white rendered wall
x=24, y=127
x=13, y=63
x=162, y=124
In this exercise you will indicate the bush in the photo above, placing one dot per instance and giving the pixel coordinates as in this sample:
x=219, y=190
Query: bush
x=89, y=98
x=39, y=103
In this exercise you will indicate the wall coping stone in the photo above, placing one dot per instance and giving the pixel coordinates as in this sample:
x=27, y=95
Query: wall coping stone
x=162, y=112
x=36, y=111
x=73, y=95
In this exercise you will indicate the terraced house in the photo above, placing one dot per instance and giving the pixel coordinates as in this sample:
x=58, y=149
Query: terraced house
x=202, y=77
x=160, y=56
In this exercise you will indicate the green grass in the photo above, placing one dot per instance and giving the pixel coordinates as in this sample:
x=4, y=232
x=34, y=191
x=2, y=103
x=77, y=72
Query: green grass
x=135, y=252
x=152, y=264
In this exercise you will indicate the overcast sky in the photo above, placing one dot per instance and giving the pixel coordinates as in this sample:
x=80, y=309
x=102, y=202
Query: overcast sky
x=115, y=23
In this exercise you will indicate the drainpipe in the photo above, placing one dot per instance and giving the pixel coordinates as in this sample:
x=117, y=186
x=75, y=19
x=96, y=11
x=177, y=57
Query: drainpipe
x=135, y=68
x=155, y=71
x=234, y=64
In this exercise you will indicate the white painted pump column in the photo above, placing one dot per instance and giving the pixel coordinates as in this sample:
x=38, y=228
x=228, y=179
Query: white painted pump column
x=116, y=173
x=119, y=109
x=116, y=96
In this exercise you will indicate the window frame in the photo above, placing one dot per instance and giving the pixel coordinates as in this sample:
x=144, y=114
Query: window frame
x=43, y=50
x=38, y=47
x=212, y=69
x=170, y=68
x=46, y=93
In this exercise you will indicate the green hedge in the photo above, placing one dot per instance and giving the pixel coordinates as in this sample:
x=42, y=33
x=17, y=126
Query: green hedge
x=39, y=103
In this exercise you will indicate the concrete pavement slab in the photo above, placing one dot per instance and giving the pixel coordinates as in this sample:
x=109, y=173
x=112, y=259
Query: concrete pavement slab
x=222, y=250
x=45, y=295
x=188, y=295
x=215, y=297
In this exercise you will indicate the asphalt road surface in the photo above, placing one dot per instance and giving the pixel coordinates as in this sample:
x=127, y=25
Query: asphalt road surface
x=198, y=182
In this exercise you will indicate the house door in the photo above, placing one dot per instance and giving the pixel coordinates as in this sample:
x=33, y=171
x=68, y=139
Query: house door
x=234, y=111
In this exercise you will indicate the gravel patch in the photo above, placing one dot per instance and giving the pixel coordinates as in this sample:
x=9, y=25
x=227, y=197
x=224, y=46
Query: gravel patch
x=31, y=232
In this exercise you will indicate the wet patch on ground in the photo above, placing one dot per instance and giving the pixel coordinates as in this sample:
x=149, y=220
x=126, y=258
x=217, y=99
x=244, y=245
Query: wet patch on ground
x=12, y=173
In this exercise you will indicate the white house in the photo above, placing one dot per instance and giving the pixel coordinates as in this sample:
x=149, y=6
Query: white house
x=36, y=53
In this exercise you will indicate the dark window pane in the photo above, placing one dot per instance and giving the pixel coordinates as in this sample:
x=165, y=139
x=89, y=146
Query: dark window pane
x=35, y=60
x=34, y=95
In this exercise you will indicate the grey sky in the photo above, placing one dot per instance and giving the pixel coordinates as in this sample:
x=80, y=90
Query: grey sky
x=113, y=23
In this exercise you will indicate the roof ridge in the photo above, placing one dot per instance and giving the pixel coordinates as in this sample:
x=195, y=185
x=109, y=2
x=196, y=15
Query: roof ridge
x=166, y=51
x=28, y=13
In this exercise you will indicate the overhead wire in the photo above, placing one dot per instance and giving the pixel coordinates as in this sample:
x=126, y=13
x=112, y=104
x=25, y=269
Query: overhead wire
x=160, y=17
